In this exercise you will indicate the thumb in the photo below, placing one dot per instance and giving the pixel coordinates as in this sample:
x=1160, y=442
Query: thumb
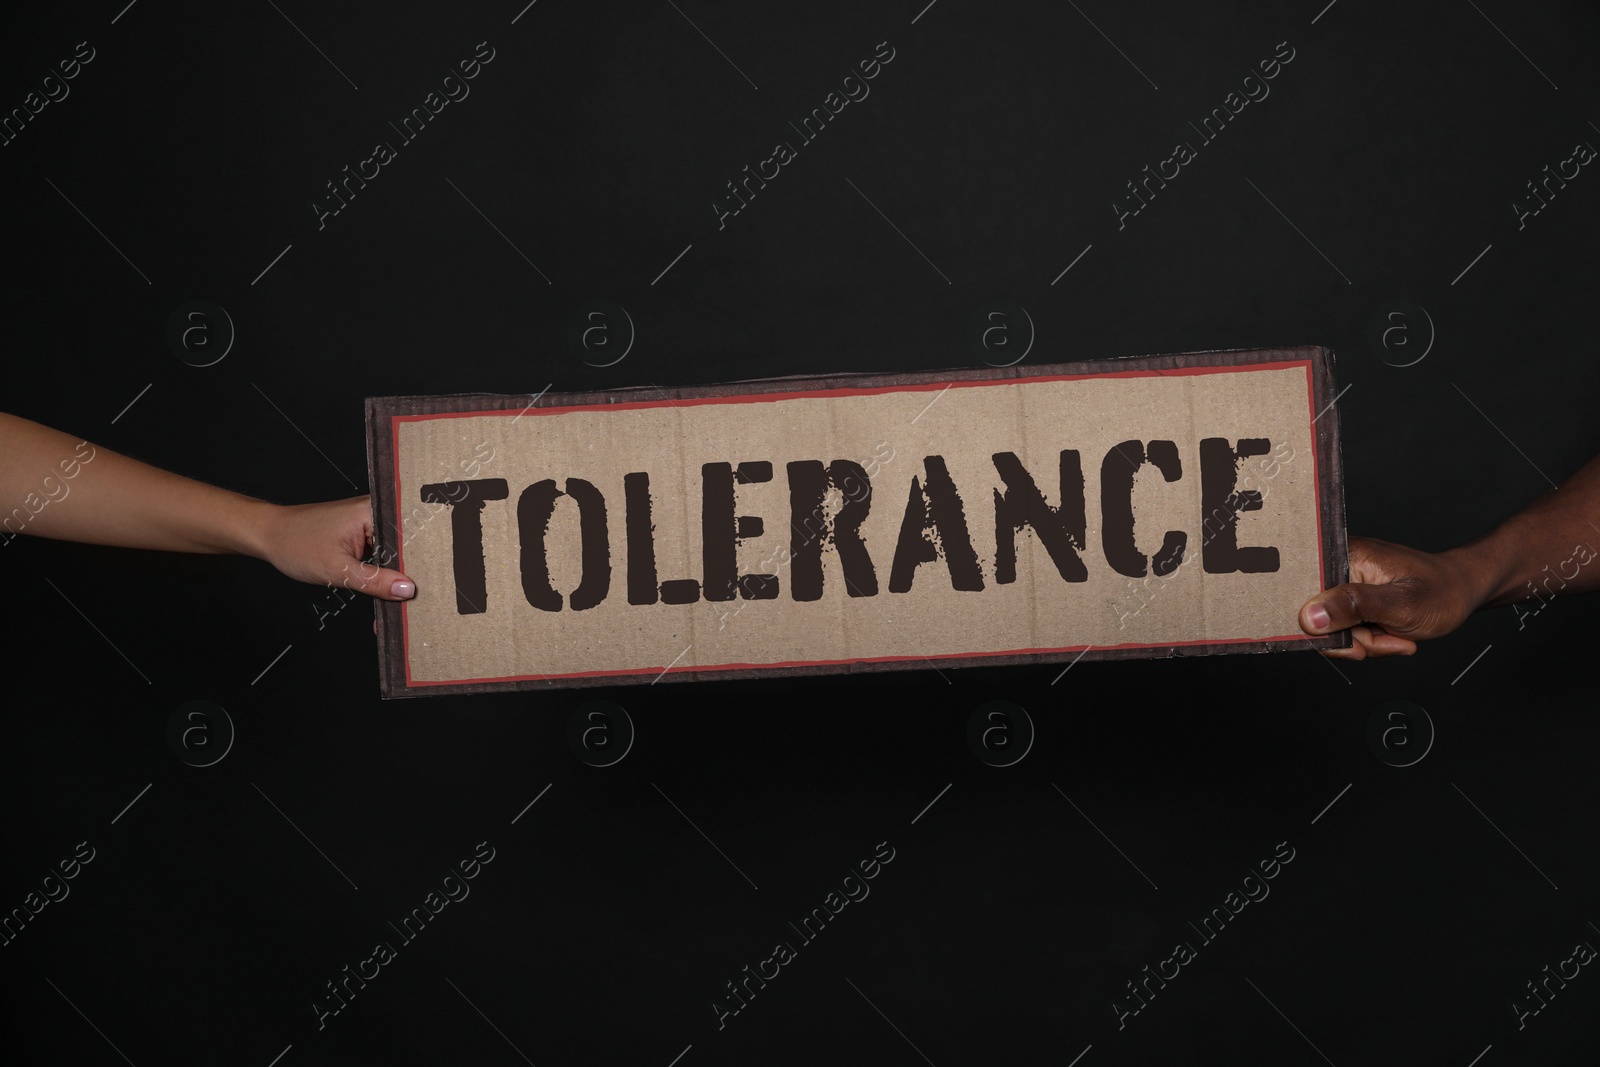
x=380, y=582
x=1351, y=604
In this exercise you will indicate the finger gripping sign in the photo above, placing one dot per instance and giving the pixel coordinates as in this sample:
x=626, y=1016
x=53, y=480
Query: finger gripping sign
x=1151, y=507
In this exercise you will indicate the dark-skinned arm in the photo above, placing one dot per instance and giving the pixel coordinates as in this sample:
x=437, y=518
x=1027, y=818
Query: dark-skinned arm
x=1398, y=596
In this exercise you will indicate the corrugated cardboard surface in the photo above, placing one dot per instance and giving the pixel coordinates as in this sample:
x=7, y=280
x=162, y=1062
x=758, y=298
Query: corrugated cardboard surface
x=889, y=427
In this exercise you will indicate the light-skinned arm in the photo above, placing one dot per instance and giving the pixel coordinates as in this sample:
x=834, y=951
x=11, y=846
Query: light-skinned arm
x=55, y=485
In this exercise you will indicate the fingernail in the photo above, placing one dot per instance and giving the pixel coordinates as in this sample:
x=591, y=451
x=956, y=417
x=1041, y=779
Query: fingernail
x=405, y=589
x=1316, y=615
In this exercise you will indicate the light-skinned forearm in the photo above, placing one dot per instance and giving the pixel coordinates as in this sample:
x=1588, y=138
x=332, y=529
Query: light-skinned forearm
x=56, y=485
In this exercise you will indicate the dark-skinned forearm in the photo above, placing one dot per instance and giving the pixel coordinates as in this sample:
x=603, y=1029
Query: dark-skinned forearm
x=1548, y=547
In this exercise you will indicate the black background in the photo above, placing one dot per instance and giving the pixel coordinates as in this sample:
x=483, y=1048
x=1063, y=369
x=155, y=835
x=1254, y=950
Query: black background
x=596, y=141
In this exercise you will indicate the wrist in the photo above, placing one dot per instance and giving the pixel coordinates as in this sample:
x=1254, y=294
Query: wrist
x=254, y=527
x=1482, y=572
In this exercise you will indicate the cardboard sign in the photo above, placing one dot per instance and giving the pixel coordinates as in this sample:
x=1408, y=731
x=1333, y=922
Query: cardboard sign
x=1170, y=505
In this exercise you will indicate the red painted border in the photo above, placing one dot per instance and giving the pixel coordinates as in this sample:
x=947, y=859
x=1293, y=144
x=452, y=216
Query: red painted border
x=803, y=394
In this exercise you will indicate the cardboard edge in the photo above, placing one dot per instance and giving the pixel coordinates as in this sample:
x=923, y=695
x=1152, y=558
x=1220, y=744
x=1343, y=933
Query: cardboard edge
x=846, y=669
x=380, y=474
x=1330, y=476
x=463, y=403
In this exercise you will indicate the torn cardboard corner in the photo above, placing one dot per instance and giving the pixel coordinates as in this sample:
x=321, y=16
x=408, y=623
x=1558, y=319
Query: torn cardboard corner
x=1169, y=505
